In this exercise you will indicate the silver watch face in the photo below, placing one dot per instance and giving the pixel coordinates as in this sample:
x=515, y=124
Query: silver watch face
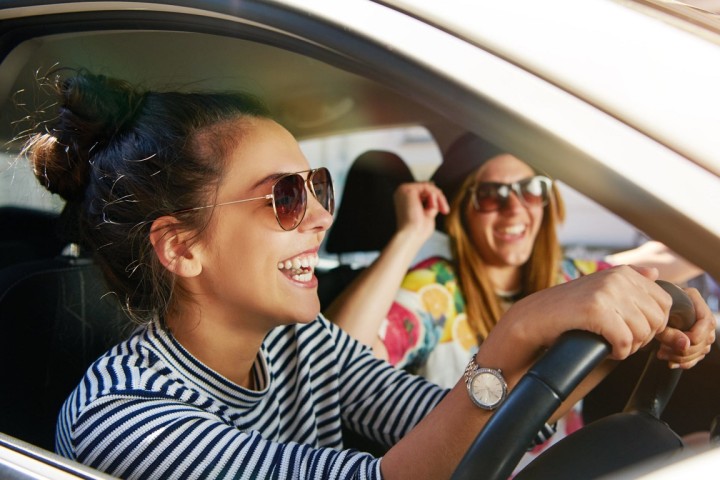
x=487, y=389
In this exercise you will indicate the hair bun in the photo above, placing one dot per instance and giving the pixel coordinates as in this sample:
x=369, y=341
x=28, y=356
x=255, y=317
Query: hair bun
x=93, y=109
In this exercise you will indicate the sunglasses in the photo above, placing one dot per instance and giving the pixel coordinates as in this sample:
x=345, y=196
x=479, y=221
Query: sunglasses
x=492, y=196
x=289, y=197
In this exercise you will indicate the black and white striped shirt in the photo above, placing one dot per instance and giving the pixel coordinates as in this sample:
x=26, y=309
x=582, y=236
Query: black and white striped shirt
x=149, y=409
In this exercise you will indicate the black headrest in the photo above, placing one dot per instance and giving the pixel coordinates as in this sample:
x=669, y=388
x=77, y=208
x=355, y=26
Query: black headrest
x=365, y=220
x=27, y=234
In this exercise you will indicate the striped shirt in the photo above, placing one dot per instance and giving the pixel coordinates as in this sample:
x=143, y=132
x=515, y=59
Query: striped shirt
x=149, y=409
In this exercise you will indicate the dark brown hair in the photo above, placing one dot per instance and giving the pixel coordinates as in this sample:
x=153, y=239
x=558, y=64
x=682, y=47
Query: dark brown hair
x=124, y=157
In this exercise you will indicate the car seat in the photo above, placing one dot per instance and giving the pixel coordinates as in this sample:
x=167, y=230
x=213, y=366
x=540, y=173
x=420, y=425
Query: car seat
x=365, y=220
x=367, y=201
x=27, y=234
x=56, y=317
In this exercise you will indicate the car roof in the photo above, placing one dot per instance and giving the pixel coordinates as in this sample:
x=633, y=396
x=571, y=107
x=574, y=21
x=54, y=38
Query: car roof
x=620, y=59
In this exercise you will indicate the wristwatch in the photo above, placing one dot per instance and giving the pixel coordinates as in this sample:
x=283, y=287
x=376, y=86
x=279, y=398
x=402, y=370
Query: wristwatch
x=486, y=386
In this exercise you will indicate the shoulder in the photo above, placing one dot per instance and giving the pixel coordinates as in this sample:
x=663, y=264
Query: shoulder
x=432, y=262
x=124, y=367
x=431, y=270
x=431, y=281
x=130, y=370
x=423, y=312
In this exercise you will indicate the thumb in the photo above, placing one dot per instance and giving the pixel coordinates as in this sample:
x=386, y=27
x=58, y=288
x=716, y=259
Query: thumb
x=651, y=273
x=674, y=339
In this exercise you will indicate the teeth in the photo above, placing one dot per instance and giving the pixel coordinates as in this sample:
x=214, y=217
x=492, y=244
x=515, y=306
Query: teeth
x=514, y=230
x=300, y=268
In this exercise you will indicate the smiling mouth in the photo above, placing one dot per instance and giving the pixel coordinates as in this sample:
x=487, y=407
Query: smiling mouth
x=300, y=268
x=513, y=231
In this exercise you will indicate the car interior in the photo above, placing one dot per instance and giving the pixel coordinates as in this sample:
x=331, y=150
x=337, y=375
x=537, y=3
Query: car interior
x=54, y=307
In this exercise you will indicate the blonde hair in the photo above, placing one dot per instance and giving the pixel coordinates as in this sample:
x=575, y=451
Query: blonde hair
x=483, y=307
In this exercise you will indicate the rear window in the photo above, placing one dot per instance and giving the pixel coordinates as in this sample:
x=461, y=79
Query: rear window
x=20, y=188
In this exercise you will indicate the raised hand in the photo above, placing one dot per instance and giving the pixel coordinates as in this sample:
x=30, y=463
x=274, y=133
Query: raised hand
x=416, y=206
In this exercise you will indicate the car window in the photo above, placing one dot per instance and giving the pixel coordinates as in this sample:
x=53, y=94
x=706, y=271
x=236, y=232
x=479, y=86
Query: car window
x=592, y=231
x=19, y=187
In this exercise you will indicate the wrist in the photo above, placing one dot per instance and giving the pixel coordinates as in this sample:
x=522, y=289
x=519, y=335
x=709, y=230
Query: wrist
x=515, y=361
x=486, y=386
x=409, y=238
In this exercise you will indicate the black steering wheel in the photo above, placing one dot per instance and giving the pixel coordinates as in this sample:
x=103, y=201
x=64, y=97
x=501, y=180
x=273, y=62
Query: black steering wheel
x=598, y=448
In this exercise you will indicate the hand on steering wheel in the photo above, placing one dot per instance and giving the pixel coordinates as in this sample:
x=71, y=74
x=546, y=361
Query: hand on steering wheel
x=502, y=442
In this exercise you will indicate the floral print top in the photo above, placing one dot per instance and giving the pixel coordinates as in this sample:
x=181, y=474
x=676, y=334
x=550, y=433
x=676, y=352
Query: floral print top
x=427, y=319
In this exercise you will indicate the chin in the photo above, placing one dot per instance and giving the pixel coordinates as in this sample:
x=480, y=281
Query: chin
x=311, y=315
x=306, y=313
x=517, y=260
x=296, y=317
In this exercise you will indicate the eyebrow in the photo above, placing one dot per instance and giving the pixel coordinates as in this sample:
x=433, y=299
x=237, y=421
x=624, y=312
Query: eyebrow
x=507, y=183
x=268, y=179
x=274, y=176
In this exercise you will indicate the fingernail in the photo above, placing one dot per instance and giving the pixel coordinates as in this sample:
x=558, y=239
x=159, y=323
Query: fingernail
x=673, y=365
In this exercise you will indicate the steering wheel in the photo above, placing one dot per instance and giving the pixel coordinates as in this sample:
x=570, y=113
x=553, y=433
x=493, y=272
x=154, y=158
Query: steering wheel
x=600, y=447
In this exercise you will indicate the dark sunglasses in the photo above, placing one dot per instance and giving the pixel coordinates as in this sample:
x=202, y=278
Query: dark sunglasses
x=492, y=196
x=289, y=197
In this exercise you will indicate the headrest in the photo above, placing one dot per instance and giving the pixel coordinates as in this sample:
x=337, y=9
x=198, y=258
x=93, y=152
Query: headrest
x=365, y=220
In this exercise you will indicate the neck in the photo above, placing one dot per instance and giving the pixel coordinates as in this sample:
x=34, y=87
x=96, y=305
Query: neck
x=505, y=279
x=221, y=344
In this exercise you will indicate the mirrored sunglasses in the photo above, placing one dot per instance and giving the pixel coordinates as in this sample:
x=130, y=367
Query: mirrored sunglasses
x=289, y=196
x=492, y=196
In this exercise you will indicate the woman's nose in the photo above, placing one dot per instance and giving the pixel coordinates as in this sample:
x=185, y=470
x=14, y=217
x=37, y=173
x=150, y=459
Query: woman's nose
x=512, y=202
x=316, y=216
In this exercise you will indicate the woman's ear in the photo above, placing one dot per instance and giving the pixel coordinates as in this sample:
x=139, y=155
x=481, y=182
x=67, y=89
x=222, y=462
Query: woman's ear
x=173, y=247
